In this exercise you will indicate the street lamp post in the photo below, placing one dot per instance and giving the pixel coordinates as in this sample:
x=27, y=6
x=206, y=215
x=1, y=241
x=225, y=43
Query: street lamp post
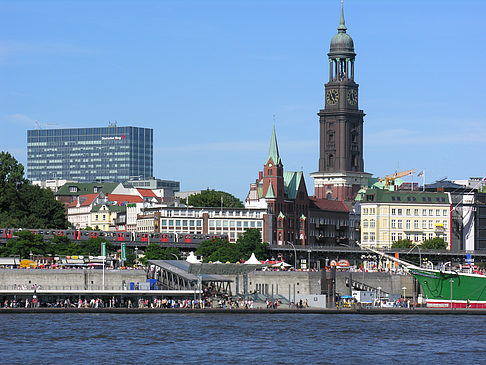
x=404, y=288
x=295, y=254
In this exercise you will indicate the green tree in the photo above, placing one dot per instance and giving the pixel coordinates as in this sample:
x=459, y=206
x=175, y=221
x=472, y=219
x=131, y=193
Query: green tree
x=228, y=253
x=93, y=247
x=62, y=246
x=211, y=198
x=221, y=250
x=402, y=244
x=25, y=244
x=434, y=244
x=251, y=241
x=25, y=205
x=155, y=252
x=130, y=261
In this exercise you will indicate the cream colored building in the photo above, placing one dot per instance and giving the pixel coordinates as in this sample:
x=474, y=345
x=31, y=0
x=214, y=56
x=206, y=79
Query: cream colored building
x=232, y=222
x=103, y=216
x=389, y=216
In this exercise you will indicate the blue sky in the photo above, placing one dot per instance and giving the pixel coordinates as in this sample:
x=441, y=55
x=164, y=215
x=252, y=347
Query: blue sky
x=208, y=76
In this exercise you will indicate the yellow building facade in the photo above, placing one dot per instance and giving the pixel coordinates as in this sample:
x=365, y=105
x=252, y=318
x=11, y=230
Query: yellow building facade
x=389, y=216
x=103, y=216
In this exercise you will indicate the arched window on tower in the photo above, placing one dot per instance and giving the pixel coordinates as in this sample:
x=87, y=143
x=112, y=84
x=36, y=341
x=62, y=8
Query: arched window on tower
x=330, y=160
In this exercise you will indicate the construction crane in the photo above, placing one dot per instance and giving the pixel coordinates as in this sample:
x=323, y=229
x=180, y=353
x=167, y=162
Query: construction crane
x=39, y=125
x=389, y=179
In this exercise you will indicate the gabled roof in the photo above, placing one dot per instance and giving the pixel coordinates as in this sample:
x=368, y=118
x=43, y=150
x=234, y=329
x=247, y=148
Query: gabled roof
x=147, y=193
x=270, y=193
x=110, y=207
x=328, y=205
x=86, y=188
x=292, y=181
x=273, y=150
x=124, y=198
x=84, y=200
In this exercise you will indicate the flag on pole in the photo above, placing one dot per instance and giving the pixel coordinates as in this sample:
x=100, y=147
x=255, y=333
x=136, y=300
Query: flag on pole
x=421, y=173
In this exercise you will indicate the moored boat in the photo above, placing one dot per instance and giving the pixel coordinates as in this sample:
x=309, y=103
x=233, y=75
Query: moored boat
x=451, y=289
x=447, y=288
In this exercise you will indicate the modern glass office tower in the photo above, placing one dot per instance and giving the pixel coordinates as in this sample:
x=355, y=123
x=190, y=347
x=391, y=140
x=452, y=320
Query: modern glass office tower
x=90, y=154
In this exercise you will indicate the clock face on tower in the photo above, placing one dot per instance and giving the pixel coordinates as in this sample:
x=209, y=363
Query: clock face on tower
x=332, y=97
x=352, y=97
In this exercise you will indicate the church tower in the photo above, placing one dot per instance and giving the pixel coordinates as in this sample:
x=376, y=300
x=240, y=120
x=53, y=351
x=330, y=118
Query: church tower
x=273, y=177
x=341, y=165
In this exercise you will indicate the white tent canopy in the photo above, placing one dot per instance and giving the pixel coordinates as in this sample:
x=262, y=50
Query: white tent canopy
x=192, y=259
x=281, y=264
x=253, y=260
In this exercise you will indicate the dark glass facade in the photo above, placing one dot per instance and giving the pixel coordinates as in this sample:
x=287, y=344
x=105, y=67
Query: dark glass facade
x=90, y=154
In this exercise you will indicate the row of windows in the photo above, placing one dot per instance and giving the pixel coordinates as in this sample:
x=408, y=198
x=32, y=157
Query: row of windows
x=324, y=234
x=399, y=236
x=409, y=212
x=341, y=222
x=424, y=199
x=181, y=223
x=217, y=213
x=398, y=223
x=424, y=212
x=408, y=223
x=235, y=224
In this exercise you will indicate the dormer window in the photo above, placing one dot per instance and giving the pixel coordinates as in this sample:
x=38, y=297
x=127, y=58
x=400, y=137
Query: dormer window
x=73, y=189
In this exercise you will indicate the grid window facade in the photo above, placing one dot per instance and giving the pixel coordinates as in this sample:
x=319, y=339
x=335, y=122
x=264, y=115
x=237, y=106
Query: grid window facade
x=90, y=154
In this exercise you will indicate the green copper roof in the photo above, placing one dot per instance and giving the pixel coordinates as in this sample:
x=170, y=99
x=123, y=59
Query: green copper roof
x=281, y=215
x=273, y=150
x=292, y=181
x=342, y=44
x=76, y=189
x=110, y=207
x=404, y=197
x=270, y=193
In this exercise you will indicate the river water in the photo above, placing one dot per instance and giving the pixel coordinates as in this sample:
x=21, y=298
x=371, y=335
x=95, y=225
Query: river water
x=241, y=338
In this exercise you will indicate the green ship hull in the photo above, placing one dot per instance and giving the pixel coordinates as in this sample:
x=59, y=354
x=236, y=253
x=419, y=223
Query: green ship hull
x=450, y=289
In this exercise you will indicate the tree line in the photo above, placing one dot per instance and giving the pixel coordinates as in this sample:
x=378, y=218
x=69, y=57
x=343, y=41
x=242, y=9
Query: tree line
x=23, y=204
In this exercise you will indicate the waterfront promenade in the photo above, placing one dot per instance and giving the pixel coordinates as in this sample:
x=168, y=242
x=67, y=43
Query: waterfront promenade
x=256, y=311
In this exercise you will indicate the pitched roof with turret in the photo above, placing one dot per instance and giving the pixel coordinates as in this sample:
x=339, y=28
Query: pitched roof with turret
x=273, y=150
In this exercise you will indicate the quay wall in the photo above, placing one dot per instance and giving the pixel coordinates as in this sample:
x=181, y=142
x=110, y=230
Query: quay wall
x=70, y=279
x=389, y=283
x=291, y=283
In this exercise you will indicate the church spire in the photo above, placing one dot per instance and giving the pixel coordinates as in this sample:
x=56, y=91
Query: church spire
x=273, y=150
x=342, y=27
